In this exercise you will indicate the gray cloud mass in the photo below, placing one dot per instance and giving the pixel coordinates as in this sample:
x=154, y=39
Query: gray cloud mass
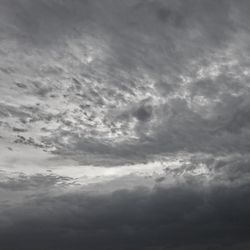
x=124, y=124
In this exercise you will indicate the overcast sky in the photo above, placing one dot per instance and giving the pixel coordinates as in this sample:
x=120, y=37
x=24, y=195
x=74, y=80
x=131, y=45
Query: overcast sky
x=124, y=124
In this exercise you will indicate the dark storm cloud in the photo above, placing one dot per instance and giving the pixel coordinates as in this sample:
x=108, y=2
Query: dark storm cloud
x=143, y=113
x=182, y=216
x=191, y=214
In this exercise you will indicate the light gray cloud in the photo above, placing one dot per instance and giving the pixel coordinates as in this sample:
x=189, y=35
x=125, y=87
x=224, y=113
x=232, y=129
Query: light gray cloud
x=180, y=55
x=38, y=181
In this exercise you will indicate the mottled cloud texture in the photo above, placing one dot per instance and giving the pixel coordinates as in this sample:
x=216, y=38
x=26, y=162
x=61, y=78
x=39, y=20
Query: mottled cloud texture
x=124, y=124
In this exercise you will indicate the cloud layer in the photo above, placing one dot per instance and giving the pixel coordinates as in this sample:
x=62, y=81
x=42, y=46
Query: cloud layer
x=124, y=124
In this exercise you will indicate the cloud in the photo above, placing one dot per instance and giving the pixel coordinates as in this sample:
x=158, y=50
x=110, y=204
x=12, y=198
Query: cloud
x=185, y=215
x=206, y=206
x=38, y=181
x=107, y=90
x=43, y=23
x=124, y=82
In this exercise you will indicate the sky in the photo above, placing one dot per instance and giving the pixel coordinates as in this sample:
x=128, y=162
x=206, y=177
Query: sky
x=124, y=124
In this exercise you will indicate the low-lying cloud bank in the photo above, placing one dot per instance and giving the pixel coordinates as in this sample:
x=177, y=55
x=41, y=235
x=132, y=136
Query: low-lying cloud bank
x=204, y=204
x=185, y=215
